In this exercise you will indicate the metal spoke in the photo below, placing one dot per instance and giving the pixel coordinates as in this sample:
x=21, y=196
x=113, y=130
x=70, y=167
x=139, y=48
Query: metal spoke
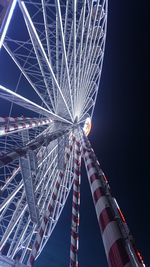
x=34, y=32
x=9, y=95
x=64, y=50
x=25, y=75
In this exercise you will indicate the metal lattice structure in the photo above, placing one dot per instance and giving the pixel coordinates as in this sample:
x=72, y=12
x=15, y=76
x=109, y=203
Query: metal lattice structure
x=58, y=50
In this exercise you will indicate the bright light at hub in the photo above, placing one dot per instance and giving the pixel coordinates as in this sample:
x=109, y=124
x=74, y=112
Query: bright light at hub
x=87, y=126
x=5, y=17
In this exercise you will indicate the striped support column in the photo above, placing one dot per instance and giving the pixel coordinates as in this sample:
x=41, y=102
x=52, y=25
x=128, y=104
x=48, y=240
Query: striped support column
x=11, y=125
x=115, y=243
x=75, y=208
x=134, y=252
x=47, y=215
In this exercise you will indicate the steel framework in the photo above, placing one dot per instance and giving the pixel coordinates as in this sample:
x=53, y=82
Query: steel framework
x=58, y=54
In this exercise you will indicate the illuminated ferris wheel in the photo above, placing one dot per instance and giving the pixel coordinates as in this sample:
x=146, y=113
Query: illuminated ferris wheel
x=57, y=47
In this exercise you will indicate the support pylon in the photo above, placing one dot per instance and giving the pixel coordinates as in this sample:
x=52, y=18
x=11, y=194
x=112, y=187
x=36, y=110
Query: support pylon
x=118, y=243
x=75, y=207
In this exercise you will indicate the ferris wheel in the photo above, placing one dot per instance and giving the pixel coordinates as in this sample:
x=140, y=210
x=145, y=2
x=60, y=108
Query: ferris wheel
x=57, y=47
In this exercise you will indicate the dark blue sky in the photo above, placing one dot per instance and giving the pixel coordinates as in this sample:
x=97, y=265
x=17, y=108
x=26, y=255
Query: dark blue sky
x=120, y=137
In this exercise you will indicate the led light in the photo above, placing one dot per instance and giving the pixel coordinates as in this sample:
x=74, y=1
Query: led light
x=120, y=212
x=140, y=257
x=7, y=22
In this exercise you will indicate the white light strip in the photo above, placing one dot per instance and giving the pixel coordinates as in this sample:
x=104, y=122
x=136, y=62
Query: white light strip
x=133, y=256
x=9, y=95
x=116, y=203
x=7, y=23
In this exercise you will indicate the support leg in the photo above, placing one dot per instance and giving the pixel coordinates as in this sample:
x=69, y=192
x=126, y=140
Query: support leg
x=75, y=208
x=118, y=243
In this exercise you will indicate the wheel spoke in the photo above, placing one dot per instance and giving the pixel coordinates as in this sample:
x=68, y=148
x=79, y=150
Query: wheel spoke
x=32, y=31
x=15, y=98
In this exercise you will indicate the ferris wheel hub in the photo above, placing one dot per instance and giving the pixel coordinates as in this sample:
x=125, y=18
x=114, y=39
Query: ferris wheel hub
x=87, y=126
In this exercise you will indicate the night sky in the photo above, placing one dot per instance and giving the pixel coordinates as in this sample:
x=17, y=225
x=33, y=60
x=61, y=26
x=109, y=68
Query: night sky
x=120, y=137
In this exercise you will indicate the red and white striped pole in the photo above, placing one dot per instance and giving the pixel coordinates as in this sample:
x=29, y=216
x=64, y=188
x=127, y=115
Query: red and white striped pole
x=75, y=207
x=47, y=215
x=119, y=248
x=12, y=125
